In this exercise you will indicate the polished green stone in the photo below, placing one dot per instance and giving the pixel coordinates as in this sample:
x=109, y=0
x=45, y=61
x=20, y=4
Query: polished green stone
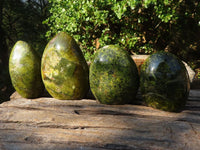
x=164, y=82
x=113, y=76
x=24, y=68
x=64, y=70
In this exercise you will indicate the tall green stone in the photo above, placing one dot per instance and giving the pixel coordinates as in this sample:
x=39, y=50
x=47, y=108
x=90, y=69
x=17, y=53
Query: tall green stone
x=64, y=70
x=24, y=68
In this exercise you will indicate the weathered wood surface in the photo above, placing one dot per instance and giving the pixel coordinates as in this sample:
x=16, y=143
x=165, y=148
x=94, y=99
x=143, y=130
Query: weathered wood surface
x=50, y=124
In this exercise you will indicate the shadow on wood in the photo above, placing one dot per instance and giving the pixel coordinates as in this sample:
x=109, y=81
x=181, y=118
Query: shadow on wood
x=47, y=123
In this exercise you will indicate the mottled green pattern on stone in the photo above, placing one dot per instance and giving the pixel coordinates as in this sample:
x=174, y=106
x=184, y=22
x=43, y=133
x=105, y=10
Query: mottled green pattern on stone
x=164, y=82
x=64, y=70
x=24, y=68
x=113, y=76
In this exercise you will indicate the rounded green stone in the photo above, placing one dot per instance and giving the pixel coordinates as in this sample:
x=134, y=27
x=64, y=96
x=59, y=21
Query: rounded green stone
x=24, y=68
x=164, y=82
x=64, y=70
x=113, y=76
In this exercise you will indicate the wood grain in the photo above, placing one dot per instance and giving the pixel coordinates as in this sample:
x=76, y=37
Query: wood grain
x=50, y=124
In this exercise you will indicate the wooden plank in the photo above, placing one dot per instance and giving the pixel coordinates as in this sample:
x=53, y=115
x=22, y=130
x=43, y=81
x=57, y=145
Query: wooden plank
x=47, y=123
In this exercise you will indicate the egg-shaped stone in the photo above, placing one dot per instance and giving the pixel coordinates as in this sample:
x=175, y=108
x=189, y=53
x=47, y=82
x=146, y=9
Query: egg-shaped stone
x=113, y=76
x=24, y=69
x=64, y=70
x=164, y=82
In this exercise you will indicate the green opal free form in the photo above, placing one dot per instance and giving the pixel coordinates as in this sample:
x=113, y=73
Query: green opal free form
x=24, y=68
x=113, y=76
x=164, y=82
x=64, y=70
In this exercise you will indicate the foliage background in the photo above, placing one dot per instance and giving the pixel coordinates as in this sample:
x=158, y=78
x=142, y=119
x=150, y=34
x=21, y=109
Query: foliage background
x=139, y=26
